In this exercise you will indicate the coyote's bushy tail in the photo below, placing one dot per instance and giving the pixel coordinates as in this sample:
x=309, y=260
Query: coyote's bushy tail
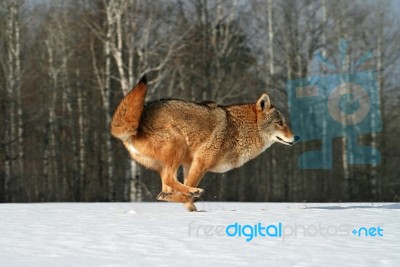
x=125, y=121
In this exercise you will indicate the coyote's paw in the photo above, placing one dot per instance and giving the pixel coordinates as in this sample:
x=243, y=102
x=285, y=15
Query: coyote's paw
x=190, y=207
x=163, y=196
x=174, y=197
x=196, y=193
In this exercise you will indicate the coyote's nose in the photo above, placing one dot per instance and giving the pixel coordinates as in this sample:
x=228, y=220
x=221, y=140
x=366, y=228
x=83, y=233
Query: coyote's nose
x=296, y=138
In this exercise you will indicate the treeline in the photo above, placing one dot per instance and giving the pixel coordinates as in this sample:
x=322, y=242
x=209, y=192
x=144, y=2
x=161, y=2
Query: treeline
x=65, y=65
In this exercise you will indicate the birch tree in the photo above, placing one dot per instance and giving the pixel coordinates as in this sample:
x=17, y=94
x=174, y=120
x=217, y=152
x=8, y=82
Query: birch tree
x=11, y=65
x=271, y=35
x=103, y=78
x=129, y=47
x=50, y=163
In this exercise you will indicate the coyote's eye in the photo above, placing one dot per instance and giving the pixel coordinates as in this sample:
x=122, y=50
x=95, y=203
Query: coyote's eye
x=280, y=123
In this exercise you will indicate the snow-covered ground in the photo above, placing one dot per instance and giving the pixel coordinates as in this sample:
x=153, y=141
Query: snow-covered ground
x=164, y=234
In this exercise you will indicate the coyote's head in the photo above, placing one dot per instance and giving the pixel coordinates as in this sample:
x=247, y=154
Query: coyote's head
x=272, y=123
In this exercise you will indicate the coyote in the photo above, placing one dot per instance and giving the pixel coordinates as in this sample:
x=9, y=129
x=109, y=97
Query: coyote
x=201, y=137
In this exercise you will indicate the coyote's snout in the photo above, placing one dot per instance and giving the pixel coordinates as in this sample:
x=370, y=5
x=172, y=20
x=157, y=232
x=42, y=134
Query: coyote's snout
x=201, y=137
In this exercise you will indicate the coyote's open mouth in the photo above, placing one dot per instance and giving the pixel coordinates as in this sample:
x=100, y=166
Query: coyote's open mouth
x=284, y=142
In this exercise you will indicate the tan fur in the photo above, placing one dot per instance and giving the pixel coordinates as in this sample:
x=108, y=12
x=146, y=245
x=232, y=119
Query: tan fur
x=166, y=134
x=127, y=116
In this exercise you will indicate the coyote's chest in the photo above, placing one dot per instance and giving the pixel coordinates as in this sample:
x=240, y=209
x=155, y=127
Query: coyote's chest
x=227, y=163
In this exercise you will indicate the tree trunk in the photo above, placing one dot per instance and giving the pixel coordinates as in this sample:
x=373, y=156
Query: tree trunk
x=346, y=69
x=376, y=187
x=79, y=179
x=114, y=19
x=51, y=142
x=17, y=55
x=14, y=148
x=270, y=45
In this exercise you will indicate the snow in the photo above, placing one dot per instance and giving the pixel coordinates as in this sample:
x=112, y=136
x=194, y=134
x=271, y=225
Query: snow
x=164, y=234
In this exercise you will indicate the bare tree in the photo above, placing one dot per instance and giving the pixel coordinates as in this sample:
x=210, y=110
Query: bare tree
x=11, y=63
x=50, y=163
x=103, y=78
x=134, y=51
x=271, y=34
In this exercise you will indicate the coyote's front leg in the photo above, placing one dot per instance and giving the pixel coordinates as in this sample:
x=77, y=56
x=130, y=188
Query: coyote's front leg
x=173, y=189
x=193, y=176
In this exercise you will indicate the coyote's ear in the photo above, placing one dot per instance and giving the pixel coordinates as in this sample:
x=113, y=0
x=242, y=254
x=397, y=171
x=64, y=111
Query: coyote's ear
x=263, y=103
